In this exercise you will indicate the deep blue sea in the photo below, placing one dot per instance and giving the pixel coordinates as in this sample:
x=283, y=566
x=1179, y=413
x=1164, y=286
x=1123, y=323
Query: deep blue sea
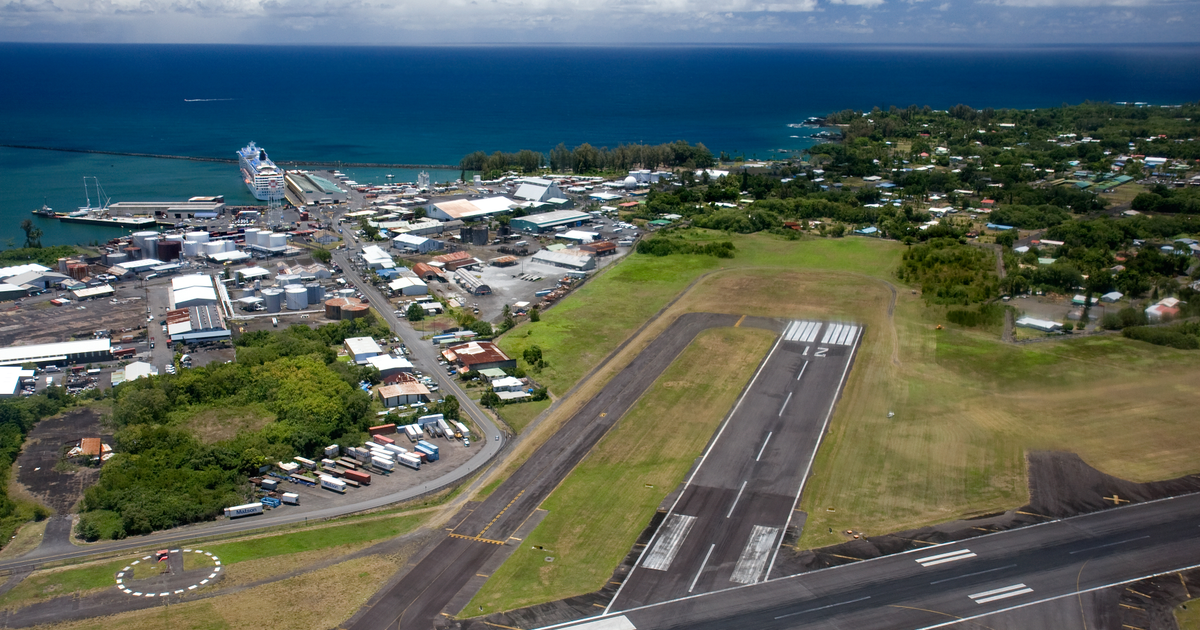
x=435, y=104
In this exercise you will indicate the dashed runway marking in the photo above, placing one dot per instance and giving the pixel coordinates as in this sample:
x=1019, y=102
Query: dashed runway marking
x=121, y=575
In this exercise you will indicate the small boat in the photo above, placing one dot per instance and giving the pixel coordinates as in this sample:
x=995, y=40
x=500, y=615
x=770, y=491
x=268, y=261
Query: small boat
x=45, y=211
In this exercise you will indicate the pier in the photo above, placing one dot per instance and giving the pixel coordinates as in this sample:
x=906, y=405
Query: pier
x=193, y=158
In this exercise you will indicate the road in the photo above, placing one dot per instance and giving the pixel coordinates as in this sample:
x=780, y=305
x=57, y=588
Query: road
x=728, y=522
x=947, y=584
x=416, y=600
x=424, y=355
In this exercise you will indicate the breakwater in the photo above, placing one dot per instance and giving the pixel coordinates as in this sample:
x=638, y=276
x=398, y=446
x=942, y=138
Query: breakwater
x=195, y=158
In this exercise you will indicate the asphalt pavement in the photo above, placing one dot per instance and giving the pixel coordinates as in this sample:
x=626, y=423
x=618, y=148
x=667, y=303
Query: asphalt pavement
x=948, y=584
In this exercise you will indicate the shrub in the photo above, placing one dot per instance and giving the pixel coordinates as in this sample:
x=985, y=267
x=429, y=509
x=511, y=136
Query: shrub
x=1172, y=337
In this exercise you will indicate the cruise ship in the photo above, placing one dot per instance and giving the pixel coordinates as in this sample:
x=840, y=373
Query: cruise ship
x=262, y=177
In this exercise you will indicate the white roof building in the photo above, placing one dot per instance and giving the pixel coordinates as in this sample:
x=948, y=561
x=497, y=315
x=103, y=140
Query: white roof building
x=1044, y=325
x=579, y=235
x=562, y=259
x=362, y=348
x=38, y=279
x=16, y=270
x=191, y=280
x=67, y=351
x=250, y=273
x=193, y=296
x=466, y=209
x=507, y=384
x=376, y=258
x=389, y=365
x=537, y=189
x=10, y=380
x=138, y=266
x=419, y=244
x=409, y=286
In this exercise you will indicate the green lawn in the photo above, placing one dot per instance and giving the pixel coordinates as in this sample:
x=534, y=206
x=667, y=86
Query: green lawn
x=1187, y=615
x=517, y=416
x=602, y=506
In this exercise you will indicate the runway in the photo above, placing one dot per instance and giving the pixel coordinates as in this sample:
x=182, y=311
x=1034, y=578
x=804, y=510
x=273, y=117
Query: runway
x=948, y=584
x=729, y=520
x=417, y=598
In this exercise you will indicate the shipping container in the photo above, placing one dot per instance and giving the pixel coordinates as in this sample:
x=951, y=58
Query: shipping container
x=430, y=454
x=330, y=483
x=446, y=430
x=410, y=460
x=362, y=455
x=288, y=467
x=396, y=449
x=380, y=439
x=305, y=462
x=270, y=502
x=291, y=498
x=328, y=462
x=433, y=417
x=384, y=463
x=383, y=429
x=360, y=477
x=429, y=446
x=462, y=430
x=413, y=432
x=345, y=463
x=243, y=510
x=270, y=485
x=421, y=454
x=332, y=451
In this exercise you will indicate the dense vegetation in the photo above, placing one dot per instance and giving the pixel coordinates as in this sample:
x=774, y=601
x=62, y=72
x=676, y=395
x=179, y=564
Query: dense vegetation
x=663, y=246
x=47, y=256
x=585, y=159
x=950, y=272
x=17, y=417
x=162, y=476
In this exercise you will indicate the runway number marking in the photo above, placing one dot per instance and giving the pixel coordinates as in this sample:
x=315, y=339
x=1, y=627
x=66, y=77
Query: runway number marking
x=943, y=558
x=764, y=446
x=736, y=499
x=820, y=352
x=1000, y=593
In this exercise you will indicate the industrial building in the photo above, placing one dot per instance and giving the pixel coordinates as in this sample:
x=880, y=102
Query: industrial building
x=428, y=273
x=539, y=190
x=362, y=348
x=132, y=372
x=374, y=257
x=547, y=221
x=478, y=355
x=16, y=270
x=405, y=285
x=470, y=283
x=37, y=280
x=11, y=292
x=11, y=380
x=389, y=365
x=600, y=248
x=91, y=293
x=312, y=189
x=576, y=260
x=469, y=209
x=192, y=290
x=457, y=260
x=418, y=244
x=194, y=208
x=403, y=393
x=197, y=323
x=83, y=351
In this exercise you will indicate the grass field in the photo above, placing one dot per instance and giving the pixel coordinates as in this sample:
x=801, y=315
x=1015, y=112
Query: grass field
x=519, y=415
x=1187, y=615
x=213, y=424
x=619, y=485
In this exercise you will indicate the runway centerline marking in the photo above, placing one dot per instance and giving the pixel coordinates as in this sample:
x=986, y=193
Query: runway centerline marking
x=802, y=367
x=764, y=446
x=697, y=578
x=943, y=558
x=785, y=403
x=823, y=607
x=967, y=575
x=736, y=498
x=1000, y=593
x=1112, y=544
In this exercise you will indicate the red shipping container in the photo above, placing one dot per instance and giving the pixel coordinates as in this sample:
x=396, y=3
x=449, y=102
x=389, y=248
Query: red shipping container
x=360, y=477
x=379, y=439
x=382, y=429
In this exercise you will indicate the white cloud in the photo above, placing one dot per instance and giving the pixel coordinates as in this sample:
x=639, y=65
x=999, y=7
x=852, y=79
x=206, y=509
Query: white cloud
x=1074, y=3
x=859, y=3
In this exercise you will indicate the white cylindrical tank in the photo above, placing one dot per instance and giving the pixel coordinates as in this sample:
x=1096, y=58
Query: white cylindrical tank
x=248, y=292
x=230, y=245
x=139, y=238
x=251, y=235
x=174, y=237
x=278, y=240
x=263, y=238
x=191, y=249
x=296, y=297
x=213, y=247
x=273, y=299
x=150, y=248
x=316, y=293
x=114, y=258
x=198, y=236
x=345, y=292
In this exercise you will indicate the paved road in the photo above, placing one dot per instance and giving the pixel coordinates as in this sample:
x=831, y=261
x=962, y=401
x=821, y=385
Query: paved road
x=728, y=522
x=424, y=356
x=421, y=594
x=945, y=585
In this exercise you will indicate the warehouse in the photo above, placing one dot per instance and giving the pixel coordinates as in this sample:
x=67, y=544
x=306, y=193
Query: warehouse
x=11, y=292
x=478, y=355
x=362, y=348
x=451, y=262
x=197, y=323
x=547, y=221
x=537, y=189
x=418, y=244
x=91, y=293
x=403, y=393
x=389, y=365
x=428, y=273
x=470, y=283
x=10, y=380
x=469, y=209
x=16, y=270
x=568, y=259
x=38, y=279
x=375, y=258
x=408, y=286
x=83, y=351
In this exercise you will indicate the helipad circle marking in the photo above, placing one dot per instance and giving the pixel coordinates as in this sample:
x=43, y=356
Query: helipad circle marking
x=124, y=588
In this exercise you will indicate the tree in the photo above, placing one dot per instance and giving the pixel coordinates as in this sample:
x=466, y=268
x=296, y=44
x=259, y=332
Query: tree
x=490, y=398
x=33, y=234
x=482, y=328
x=535, y=315
x=415, y=313
x=322, y=255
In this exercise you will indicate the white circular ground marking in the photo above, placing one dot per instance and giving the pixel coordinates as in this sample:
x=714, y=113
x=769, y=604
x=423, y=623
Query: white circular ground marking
x=121, y=575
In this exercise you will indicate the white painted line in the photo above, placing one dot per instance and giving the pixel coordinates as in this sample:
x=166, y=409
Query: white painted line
x=942, y=555
x=967, y=575
x=755, y=554
x=1113, y=544
x=955, y=558
x=993, y=598
x=703, y=458
x=611, y=623
x=930, y=561
x=812, y=333
x=736, y=499
x=823, y=607
x=802, y=368
x=785, y=402
x=790, y=332
x=192, y=587
x=204, y=581
x=697, y=578
x=137, y=594
x=816, y=447
x=178, y=591
x=764, y=446
x=854, y=340
x=831, y=332
x=842, y=338
x=164, y=594
x=149, y=595
x=674, y=530
x=127, y=591
x=997, y=591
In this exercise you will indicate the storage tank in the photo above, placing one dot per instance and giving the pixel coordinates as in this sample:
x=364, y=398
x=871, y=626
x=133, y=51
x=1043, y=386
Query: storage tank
x=115, y=258
x=296, y=297
x=229, y=245
x=278, y=240
x=173, y=237
x=133, y=253
x=316, y=293
x=248, y=292
x=251, y=235
x=191, y=249
x=199, y=236
x=213, y=247
x=264, y=238
x=273, y=298
x=139, y=238
x=346, y=292
x=169, y=250
x=150, y=246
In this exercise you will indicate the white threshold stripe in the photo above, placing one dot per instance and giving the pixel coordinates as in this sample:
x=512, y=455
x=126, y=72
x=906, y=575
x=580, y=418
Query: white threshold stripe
x=943, y=555
x=945, y=560
x=993, y=598
x=812, y=334
x=996, y=591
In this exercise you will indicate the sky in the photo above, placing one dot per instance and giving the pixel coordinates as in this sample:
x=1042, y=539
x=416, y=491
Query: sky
x=424, y=22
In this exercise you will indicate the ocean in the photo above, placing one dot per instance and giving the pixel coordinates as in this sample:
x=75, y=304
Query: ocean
x=432, y=105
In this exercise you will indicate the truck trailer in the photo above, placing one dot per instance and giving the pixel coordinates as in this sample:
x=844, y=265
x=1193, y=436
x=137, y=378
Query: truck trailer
x=410, y=460
x=429, y=448
x=291, y=498
x=462, y=430
x=243, y=510
x=305, y=462
x=384, y=463
x=331, y=483
x=361, y=477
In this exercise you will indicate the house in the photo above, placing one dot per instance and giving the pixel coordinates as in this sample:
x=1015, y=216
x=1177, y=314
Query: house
x=478, y=355
x=507, y=384
x=1112, y=296
x=361, y=348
